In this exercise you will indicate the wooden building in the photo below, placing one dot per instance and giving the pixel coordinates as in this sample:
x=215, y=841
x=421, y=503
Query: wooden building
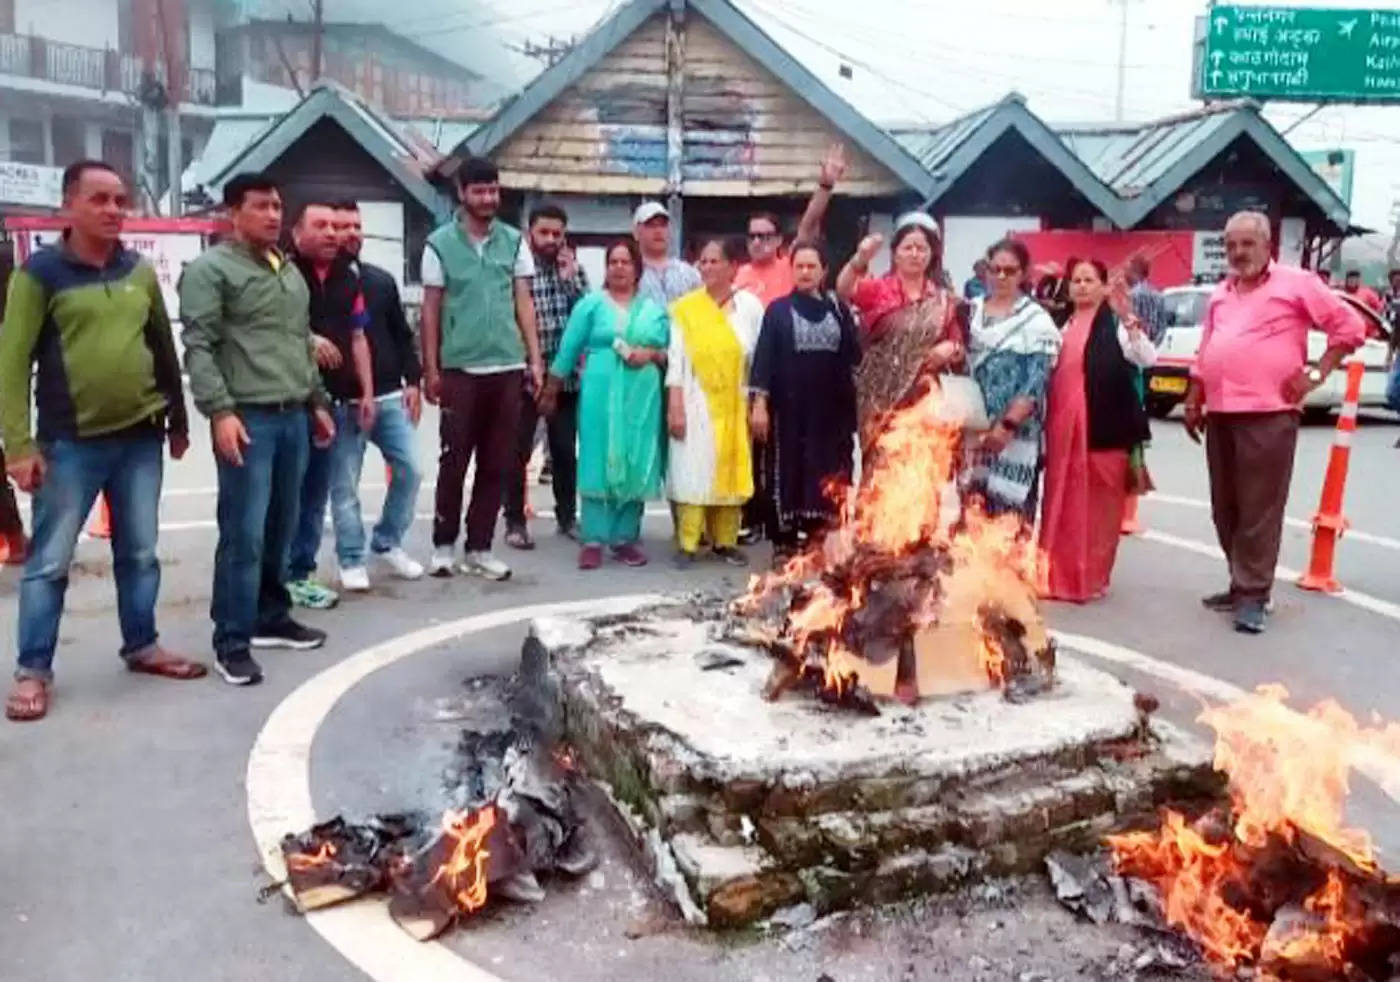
x=689, y=102
x=333, y=146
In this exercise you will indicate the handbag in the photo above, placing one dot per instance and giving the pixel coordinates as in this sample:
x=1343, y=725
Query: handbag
x=962, y=402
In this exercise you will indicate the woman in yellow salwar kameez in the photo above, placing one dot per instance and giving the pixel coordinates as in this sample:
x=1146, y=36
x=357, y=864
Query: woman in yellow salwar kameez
x=713, y=332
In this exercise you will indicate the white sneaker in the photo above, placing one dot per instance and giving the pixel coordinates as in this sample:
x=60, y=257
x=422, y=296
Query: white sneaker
x=405, y=567
x=354, y=578
x=443, y=561
x=485, y=565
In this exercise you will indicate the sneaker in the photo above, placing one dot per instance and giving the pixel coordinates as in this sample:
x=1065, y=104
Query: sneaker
x=443, y=562
x=731, y=556
x=312, y=595
x=1251, y=616
x=354, y=578
x=289, y=634
x=238, y=668
x=1219, y=602
x=518, y=537
x=405, y=567
x=630, y=555
x=590, y=557
x=485, y=565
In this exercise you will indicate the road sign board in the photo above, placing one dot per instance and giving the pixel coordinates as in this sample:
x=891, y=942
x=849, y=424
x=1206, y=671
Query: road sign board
x=1302, y=54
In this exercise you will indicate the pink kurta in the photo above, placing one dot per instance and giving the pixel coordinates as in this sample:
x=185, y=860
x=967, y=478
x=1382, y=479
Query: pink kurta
x=1085, y=490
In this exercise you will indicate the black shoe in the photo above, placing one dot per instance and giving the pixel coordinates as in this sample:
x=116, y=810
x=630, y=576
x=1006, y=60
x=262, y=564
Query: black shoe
x=518, y=537
x=289, y=634
x=569, y=530
x=1220, y=602
x=1251, y=616
x=748, y=537
x=238, y=668
x=683, y=559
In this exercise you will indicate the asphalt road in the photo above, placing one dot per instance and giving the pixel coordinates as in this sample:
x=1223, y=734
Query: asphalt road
x=126, y=852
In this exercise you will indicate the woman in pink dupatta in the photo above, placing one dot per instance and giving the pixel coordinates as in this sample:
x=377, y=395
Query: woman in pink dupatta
x=1095, y=417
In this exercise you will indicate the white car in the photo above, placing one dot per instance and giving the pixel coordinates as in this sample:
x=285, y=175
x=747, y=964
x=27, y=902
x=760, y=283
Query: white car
x=1186, y=308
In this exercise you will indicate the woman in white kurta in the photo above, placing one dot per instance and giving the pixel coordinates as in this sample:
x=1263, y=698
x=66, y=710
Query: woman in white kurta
x=710, y=477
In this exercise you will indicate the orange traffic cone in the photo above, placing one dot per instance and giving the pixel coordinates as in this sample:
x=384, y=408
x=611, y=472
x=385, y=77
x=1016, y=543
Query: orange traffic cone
x=100, y=525
x=1131, y=525
x=1329, y=523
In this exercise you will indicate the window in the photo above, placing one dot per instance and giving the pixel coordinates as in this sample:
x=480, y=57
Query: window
x=69, y=143
x=7, y=16
x=27, y=141
x=117, y=150
x=1187, y=308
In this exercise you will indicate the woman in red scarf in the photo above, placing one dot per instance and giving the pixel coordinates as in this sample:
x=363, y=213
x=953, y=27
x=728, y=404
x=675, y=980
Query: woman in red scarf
x=909, y=321
x=1095, y=417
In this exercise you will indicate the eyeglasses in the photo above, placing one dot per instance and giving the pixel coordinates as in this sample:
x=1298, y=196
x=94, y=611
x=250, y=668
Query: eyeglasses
x=1005, y=272
x=764, y=236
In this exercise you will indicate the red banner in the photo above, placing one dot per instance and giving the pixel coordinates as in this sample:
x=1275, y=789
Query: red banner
x=1168, y=253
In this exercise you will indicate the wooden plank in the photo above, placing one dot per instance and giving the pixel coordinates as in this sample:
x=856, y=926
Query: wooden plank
x=594, y=184
x=709, y=188
x=632, y=167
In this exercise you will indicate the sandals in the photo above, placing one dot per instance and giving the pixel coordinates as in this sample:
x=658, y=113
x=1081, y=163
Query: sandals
x=518, y=537
x=28, y=708
x=169, y=666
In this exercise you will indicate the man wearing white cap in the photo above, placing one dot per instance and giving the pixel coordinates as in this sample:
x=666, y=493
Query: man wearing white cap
x=665, y=279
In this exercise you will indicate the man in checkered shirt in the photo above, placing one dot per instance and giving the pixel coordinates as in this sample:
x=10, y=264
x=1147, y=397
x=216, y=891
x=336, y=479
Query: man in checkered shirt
x=558, y=284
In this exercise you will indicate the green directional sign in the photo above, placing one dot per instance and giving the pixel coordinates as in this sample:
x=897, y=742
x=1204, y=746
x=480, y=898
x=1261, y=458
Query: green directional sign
x=1303, y=54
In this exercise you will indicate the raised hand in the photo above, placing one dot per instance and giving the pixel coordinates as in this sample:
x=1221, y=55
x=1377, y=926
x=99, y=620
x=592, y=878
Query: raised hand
x=833, y=165
x=868, y=248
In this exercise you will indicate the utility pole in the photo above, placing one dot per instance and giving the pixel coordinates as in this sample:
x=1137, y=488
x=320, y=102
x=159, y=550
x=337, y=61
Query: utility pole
x=318, y=27
x=174, y=89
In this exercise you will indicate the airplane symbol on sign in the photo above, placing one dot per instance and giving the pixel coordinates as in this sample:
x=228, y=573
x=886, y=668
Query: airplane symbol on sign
x=1346, y=27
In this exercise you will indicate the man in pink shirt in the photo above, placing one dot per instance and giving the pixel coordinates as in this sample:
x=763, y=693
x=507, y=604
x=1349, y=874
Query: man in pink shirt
x=1247, y=386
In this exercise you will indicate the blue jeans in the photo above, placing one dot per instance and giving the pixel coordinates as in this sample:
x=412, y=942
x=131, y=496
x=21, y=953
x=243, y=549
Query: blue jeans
x=311, y=520
x=393, y=434
x=258, y=505
x=129, y=470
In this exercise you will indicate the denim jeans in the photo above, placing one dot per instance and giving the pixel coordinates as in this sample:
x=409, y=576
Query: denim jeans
x=311, y=516
x=129, y=470
x=393, y=434
x=258, y=505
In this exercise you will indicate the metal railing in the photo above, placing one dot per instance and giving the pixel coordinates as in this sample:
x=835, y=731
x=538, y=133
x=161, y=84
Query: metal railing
x=91, y=68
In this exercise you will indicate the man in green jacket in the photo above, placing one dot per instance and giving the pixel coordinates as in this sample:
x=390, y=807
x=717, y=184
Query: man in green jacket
x=88, y=311
x=249, y=355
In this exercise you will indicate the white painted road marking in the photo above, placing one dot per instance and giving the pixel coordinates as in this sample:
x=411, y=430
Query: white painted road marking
x=278, y=778
x=1350, y=534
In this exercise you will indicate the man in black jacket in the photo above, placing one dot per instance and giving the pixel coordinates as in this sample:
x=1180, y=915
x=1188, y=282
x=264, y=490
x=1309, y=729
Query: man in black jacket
x=338, y=321
x=399, y=406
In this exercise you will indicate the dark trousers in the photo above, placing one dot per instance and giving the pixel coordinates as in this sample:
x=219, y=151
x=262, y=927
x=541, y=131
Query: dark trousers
x=258, y=506
x=1251, y=464
x=10, y=522
x=756, y=509
x=478, y=418
x=561, y=432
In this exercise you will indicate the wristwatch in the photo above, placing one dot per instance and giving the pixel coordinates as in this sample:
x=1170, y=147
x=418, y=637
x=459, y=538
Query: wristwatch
x=1314, y=376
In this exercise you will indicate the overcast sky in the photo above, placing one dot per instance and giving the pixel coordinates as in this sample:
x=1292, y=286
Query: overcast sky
x=930, y=60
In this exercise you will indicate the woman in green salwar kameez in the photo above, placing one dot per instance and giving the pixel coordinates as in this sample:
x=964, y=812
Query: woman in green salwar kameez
x=622, y=341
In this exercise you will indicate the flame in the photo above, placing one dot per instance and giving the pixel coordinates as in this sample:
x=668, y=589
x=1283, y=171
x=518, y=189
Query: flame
x=897, y=510
x=464, y=870
x=993, y=659
x=300, y=862
x=1289, y=774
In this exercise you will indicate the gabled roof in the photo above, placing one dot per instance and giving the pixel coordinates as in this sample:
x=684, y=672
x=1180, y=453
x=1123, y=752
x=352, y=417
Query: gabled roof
x=738, y=28
x=1145, y=165
x=403, y=159
x=949, y=151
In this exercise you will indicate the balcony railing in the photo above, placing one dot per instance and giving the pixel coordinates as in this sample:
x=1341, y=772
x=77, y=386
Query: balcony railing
x=91, y=68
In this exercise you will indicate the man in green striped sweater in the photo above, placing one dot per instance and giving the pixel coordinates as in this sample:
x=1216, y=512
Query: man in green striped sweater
x=86, y=318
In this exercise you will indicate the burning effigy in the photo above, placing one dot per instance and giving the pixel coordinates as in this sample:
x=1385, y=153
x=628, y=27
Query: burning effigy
x=1277, y=880
x=913, y=594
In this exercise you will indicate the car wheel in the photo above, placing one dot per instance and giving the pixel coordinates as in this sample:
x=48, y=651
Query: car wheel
x=1317, y=415
x=1159, y=408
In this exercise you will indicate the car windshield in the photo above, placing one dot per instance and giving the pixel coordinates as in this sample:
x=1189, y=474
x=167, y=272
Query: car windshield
x=1186, y=308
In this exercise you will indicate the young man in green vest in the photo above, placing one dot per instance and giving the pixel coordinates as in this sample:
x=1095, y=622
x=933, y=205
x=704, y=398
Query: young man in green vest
x=479, y=339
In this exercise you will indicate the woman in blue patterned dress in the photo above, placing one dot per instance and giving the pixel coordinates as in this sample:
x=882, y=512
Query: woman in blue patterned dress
x=1012, y=347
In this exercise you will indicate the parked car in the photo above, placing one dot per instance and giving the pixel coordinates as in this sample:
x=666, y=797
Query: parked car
x=1186, y=309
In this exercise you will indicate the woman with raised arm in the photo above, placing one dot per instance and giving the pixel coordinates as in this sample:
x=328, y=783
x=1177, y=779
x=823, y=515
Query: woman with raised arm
x=1012, y=347
x=803, y=409
x=909, y=321
x=710, y=475
x=622, y=339
x=1095, y=419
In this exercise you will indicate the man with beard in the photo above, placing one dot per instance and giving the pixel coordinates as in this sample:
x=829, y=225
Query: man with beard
x=478, y=340
x=399, y=406
x=558, y=284
x=338, y=320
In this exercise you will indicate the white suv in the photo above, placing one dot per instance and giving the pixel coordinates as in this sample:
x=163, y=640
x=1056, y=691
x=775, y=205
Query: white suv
x=1186, y=309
